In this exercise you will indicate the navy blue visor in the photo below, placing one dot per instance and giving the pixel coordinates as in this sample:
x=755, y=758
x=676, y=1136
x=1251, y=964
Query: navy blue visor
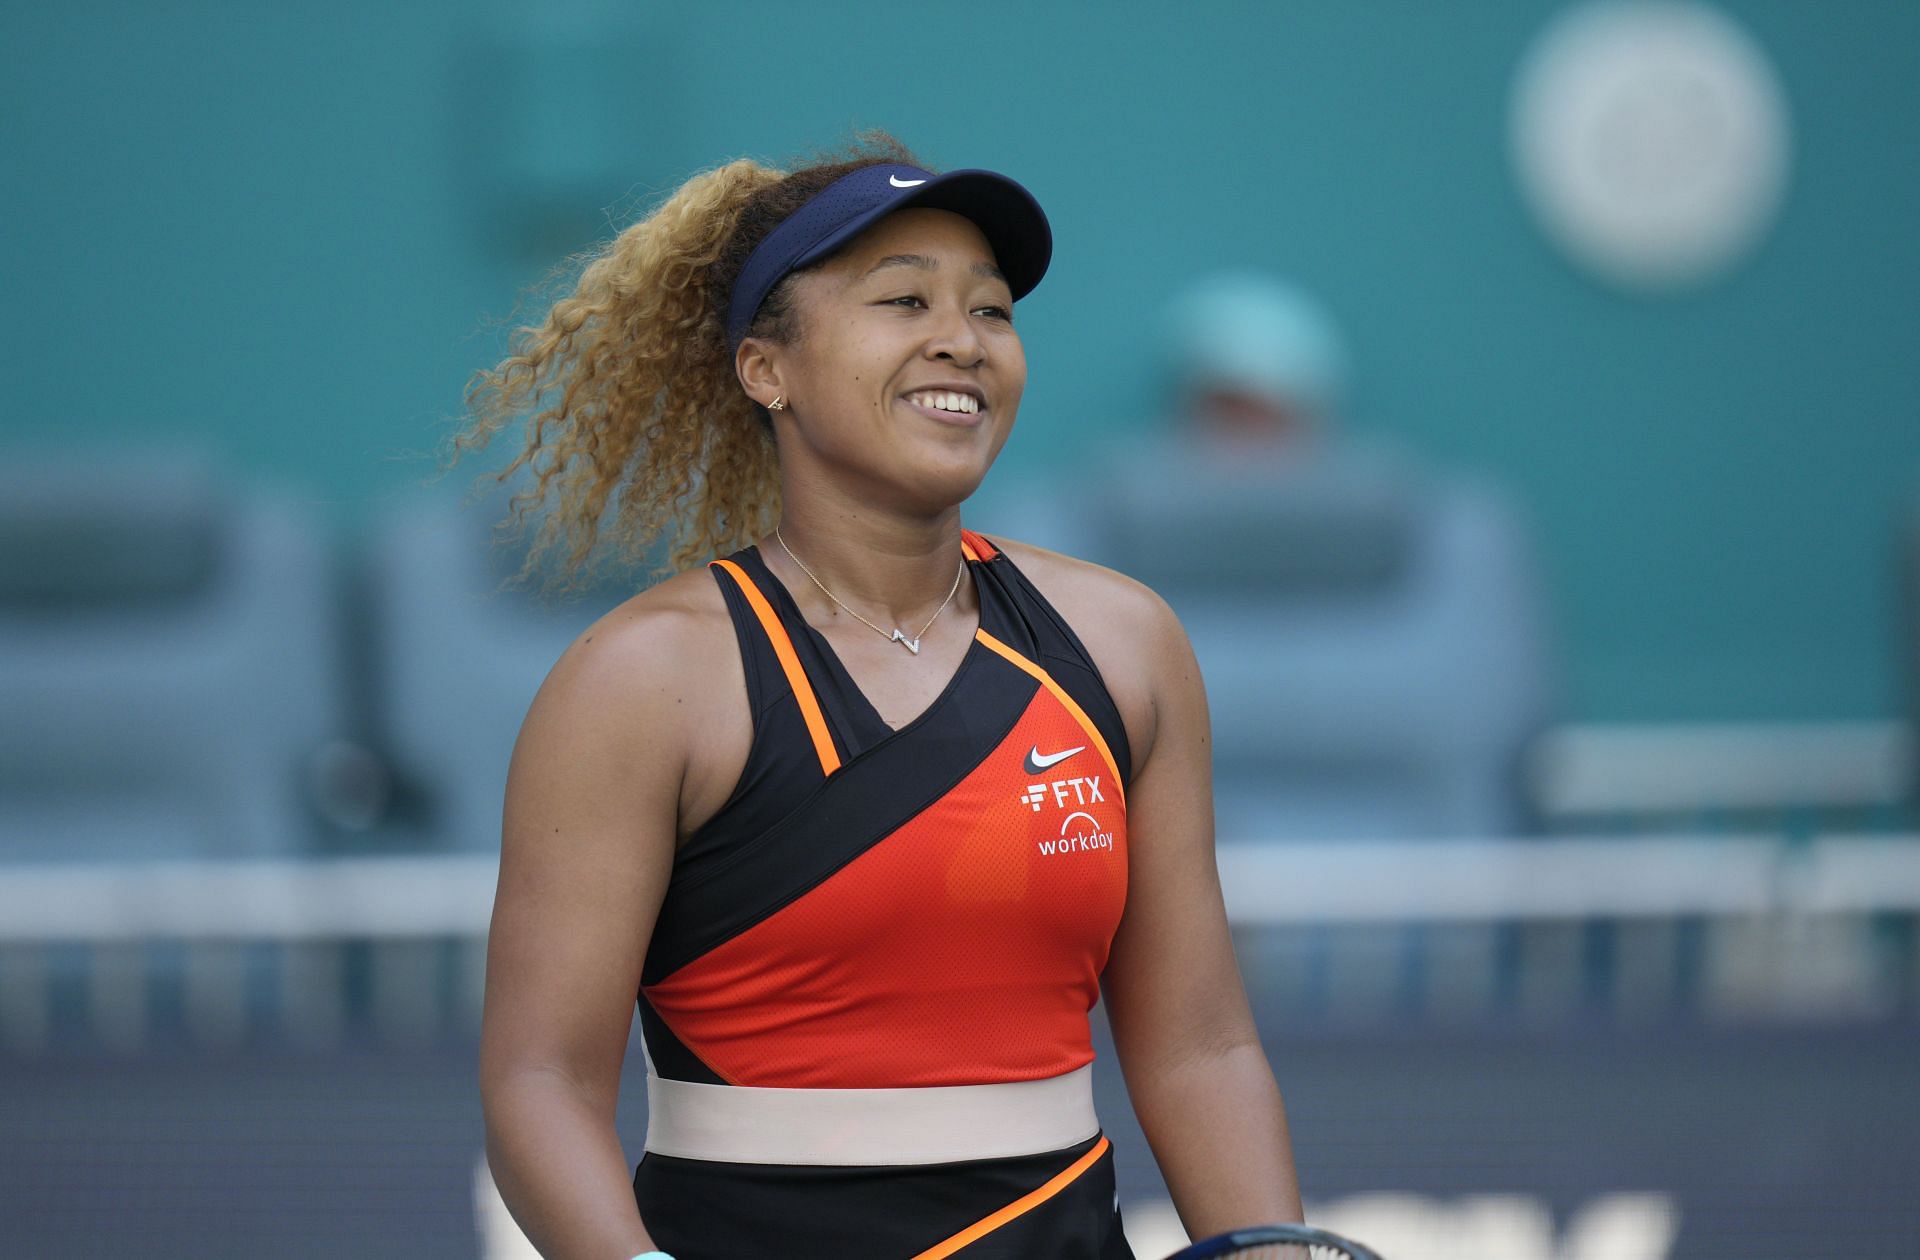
x=1006, y=214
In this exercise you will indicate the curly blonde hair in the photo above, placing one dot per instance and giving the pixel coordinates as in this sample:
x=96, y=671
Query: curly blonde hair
x=627, y=385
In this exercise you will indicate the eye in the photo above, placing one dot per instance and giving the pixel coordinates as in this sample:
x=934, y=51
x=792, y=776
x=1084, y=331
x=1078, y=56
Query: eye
x=999, y=313
x=908, y=298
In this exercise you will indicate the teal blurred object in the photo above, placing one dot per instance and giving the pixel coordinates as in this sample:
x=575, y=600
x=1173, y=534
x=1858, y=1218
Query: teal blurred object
x=1247, y=331
x=1374, y=634
x=1910, y=636
x=459, y=655
x=288, y=235
x=169, y=659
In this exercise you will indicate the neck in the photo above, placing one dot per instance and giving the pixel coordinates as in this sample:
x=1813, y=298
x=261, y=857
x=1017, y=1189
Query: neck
x=893, y=569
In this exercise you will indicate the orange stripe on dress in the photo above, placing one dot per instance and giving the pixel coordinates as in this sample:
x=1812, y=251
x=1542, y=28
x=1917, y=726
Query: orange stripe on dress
x=974, y=547
x=1072, y=706
x=790, y=662
x=1019, y=1207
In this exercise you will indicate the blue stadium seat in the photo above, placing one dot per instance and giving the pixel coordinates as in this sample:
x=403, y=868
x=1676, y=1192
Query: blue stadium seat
x=1372, y=636
x=460, y=657
x=1907, y=631
x=168, y=659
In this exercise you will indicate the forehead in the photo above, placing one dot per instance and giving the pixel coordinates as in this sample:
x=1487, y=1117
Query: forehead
x=939, y=234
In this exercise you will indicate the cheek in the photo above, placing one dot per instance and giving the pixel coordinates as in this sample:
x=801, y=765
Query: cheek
x=845, y=368
x=1013, y=369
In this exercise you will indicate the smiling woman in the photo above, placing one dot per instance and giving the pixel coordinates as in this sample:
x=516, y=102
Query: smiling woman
x=823, y=853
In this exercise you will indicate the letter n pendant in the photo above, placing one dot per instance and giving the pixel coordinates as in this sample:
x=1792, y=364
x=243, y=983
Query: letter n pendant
x=912, y=645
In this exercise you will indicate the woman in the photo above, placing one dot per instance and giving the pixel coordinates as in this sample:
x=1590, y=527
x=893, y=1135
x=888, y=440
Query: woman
x=868, y=811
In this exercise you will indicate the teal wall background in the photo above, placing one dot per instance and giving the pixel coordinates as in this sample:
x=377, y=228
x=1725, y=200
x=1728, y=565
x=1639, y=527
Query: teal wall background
x=291, y=231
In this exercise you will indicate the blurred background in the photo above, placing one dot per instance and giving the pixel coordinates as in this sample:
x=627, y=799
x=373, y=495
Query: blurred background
x=1516, y=401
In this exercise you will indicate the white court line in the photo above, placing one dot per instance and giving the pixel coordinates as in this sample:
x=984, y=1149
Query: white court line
x=1510, y=1226
x=1454, y=880
x=500, y=1235
x=397, y=898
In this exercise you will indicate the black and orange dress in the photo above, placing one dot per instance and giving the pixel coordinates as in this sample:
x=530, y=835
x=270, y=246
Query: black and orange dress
x=865, y=1001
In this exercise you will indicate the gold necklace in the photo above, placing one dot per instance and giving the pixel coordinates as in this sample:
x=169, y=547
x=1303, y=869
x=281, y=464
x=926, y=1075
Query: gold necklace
x=898, y=636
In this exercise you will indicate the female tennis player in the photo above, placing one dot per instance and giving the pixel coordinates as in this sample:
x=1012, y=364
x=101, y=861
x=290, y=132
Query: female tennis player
x=865, y=809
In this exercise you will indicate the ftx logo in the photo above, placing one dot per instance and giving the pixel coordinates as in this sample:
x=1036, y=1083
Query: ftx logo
x=1077, y=790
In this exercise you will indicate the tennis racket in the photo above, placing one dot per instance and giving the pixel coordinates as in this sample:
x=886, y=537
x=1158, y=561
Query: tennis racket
x=1276, y=1242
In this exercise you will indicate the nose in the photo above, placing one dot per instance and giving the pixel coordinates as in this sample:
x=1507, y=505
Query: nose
x=954, y=338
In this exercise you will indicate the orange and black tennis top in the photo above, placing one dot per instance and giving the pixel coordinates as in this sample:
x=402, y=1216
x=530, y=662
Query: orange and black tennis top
x=879, y=908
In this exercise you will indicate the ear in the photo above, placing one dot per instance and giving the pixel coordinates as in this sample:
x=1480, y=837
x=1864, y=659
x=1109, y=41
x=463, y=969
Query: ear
x=759, y=374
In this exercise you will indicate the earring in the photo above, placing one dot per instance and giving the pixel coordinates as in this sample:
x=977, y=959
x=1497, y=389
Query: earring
x=779, y=403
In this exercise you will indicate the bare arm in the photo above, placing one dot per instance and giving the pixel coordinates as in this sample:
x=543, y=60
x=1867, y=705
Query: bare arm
x=586, y=846
x=1199, y=1080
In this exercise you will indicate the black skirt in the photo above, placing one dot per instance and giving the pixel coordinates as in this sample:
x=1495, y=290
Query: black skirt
x=1058, y=1205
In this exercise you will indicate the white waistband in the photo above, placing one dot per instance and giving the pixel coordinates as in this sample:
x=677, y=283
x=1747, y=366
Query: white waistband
x=924, y=1125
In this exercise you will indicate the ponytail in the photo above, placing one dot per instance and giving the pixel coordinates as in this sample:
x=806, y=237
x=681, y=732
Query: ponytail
x=628, y=386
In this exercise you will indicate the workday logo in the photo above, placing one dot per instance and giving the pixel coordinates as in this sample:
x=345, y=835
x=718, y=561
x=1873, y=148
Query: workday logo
x=1086, y=838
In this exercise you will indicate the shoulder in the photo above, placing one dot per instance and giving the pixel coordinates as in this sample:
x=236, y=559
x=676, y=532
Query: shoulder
x=1132, y=634
x=648, y=704
x=1096, y=601
x=645, y=671
x=661, y=634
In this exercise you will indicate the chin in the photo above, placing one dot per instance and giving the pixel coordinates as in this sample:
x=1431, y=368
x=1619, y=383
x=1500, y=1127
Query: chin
x=944, y=483
x=951, y=490
x=947, y=469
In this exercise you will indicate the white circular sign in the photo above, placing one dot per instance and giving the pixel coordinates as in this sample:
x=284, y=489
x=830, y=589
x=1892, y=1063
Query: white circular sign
x=1651, y=140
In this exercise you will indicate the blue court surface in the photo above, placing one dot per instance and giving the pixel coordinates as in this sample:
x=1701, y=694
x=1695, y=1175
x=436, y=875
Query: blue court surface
x=1750, y=1143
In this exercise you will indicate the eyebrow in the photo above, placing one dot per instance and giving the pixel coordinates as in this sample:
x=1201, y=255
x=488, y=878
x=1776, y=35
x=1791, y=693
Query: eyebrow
x=924, y=263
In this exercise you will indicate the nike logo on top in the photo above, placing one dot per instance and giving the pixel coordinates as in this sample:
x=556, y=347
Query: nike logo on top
x=1036, y=761
x=897, y=182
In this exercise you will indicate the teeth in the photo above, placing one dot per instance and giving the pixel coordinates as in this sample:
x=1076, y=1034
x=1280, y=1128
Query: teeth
x=965, y=403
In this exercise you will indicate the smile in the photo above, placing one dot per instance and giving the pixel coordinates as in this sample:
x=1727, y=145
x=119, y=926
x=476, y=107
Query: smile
x=944, y=400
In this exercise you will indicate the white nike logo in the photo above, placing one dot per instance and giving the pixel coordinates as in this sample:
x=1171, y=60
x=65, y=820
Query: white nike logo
x=897, y=182
x=1036, y=762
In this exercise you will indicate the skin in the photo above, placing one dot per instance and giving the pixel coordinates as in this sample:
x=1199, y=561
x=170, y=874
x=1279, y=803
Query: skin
x=1242, y=420
x=641, y=730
